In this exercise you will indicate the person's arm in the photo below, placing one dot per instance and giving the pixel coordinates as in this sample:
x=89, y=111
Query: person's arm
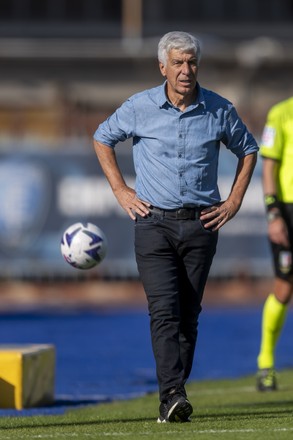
x=277, y=229
x=216, y=216
x=125, y=195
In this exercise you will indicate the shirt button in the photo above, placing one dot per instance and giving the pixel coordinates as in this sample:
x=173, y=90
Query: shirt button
x=179, y=155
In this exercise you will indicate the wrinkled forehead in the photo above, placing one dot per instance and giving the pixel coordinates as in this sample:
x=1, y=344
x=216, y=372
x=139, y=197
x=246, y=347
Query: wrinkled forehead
x=181, y=54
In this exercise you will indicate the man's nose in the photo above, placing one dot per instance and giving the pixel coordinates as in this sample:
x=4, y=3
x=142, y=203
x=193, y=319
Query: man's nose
x=185, y=68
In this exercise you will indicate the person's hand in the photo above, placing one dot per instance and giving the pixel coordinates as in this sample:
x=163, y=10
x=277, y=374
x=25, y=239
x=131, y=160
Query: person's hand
x=127, y=198
x=278, y=232
x=214, y=217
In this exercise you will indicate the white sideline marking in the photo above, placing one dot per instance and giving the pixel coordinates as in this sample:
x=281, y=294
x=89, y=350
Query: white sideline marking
x=203, y=431
x=241, y=431
x=145, y=433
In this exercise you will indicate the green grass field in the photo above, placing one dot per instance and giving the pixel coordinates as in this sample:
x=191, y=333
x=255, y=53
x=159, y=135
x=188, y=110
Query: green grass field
x=226, y=409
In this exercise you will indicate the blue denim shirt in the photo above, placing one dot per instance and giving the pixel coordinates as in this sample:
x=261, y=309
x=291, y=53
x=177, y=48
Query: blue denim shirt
x=176, y=153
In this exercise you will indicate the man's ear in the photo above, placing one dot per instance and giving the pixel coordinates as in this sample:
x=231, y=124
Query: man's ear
x=162, y=69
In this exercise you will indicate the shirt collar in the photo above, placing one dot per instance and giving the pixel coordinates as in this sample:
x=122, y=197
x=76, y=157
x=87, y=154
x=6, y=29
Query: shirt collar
x=200, y=99
x=162, y=98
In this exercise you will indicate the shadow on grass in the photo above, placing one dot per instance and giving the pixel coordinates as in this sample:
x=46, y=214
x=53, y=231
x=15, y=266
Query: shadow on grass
x=58, y=407
x=221, y=415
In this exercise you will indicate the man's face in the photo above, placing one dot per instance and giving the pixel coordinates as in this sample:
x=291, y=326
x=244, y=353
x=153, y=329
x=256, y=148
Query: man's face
x=181, y=72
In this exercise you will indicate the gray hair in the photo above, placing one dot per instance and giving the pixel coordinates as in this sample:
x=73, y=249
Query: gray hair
x=178, y=40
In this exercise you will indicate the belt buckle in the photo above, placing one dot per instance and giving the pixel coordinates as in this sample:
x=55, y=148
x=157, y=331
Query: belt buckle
x=183, y=214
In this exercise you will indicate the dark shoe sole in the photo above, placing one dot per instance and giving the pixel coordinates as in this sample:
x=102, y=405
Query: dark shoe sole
x=266, y=389
x=266, y=381
x=180, y=412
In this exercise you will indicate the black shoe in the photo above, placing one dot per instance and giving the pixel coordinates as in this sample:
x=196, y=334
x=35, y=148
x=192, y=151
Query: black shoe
x=176, y=409
x=266, y=380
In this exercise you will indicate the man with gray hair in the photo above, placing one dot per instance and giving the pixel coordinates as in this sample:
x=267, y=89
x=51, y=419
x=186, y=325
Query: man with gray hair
x=177, y=129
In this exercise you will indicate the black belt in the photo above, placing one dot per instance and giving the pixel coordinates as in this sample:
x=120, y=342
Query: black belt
x=179, y=214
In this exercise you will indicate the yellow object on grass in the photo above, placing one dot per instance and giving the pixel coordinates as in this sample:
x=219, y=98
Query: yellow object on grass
x=27, y=375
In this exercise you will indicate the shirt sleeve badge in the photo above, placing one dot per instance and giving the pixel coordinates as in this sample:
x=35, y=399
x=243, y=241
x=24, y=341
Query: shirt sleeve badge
x=268, y=136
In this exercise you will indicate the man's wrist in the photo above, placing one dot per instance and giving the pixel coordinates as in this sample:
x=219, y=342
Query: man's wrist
x=271, y=202
x=273, y=215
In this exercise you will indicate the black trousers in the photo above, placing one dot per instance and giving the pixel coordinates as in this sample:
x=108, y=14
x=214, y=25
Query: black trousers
x=173, y=258
x=282, y=256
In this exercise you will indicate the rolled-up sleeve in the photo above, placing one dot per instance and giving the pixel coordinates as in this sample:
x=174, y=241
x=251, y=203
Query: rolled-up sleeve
x=237, y=138
x=118, y=127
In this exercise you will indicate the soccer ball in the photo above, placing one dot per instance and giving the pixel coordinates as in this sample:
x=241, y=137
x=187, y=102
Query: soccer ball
x=83, y=245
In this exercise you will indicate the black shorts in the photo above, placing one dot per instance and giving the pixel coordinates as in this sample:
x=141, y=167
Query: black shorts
x=282, y=257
